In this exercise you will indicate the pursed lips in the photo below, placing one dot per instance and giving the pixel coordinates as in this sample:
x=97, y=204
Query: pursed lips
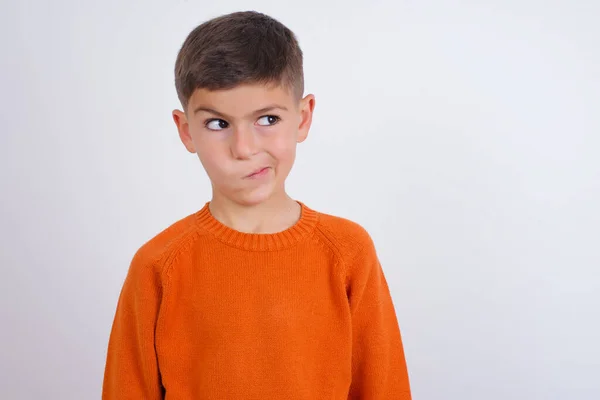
x=257, y=172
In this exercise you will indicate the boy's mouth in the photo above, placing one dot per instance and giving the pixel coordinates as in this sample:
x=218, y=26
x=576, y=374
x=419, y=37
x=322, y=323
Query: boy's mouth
x=259, y=172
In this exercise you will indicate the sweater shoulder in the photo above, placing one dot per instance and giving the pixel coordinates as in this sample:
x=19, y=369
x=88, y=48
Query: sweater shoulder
x=347, y=237
x=158, y=252
x=352, y=243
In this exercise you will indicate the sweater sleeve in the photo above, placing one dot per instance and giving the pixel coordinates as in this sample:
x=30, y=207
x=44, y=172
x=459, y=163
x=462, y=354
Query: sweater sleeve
x=379, y=370
x=131, y=365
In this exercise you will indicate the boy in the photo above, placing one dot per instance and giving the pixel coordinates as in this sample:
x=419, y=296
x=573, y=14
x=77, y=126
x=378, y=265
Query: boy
x=255, y=296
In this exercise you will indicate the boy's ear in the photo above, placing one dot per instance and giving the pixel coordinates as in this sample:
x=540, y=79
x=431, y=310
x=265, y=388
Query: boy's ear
x=184, y=130
x=307, y=106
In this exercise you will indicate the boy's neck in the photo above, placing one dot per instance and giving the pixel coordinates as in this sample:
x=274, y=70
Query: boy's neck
x=272, y=216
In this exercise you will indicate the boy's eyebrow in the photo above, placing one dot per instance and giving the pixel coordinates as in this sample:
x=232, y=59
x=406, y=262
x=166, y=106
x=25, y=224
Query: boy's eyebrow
x=219, y=114
x=209, y=110
x=270, y=108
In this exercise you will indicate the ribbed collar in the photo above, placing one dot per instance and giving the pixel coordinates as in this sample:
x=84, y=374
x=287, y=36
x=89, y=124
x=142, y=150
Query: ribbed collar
x=259, y=241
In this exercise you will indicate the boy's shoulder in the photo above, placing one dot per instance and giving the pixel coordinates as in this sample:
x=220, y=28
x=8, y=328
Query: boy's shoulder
x=345, y=235
x=167, y=242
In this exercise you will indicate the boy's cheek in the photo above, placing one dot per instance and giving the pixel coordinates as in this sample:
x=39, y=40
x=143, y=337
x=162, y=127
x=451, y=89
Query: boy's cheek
x=285, y=143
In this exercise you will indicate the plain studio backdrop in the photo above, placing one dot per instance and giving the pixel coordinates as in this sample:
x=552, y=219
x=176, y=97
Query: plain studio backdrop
x=464, y=135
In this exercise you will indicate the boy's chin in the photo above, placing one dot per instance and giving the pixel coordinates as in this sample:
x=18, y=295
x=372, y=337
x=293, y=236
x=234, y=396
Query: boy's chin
x=256, y=197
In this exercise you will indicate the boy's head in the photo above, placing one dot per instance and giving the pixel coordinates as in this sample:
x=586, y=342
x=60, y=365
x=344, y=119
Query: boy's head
x=240, y=81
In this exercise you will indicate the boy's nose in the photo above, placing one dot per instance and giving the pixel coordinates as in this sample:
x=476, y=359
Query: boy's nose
x=243, y=143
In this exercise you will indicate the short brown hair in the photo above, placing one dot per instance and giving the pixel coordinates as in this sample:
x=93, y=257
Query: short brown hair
x=238, y=48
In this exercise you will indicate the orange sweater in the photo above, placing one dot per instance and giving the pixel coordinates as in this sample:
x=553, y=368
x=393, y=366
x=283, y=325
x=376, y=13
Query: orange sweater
x=207, y=312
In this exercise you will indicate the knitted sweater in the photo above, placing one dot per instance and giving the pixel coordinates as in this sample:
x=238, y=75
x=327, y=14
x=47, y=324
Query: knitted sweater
x=207, y=312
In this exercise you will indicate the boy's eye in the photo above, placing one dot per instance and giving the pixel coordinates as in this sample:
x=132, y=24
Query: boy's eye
x=268, y=120
x=216, y=124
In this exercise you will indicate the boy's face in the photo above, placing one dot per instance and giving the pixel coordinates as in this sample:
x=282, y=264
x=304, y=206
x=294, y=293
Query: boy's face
x=245, y=138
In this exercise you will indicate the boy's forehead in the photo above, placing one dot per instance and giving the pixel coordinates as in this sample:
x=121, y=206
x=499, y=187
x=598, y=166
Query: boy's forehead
x=242, y=99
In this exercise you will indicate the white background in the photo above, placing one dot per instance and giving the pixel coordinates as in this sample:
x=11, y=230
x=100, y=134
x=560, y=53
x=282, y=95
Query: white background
x=464, y=135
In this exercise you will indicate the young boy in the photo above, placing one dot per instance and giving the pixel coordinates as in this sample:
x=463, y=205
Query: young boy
x=255, y=296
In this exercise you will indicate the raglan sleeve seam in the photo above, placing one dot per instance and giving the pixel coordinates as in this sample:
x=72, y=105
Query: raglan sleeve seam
x=166, y=270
